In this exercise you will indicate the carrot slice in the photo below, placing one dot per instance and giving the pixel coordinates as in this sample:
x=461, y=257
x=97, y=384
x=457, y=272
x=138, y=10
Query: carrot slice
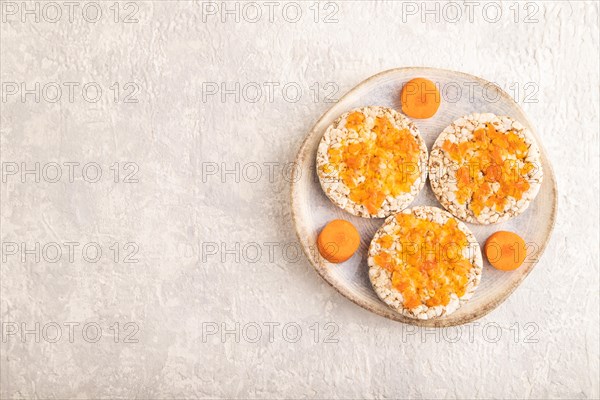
x=420, y=98
x=338, y=241
x=505, y=250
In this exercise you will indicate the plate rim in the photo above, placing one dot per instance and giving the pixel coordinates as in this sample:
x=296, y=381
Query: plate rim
x=389, y=313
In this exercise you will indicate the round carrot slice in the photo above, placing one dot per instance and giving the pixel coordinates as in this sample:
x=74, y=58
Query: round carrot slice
x=505, y=250
x=420, y=98
x=338, y=241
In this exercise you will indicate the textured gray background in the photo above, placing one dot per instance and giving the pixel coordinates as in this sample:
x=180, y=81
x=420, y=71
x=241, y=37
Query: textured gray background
x=547, y=341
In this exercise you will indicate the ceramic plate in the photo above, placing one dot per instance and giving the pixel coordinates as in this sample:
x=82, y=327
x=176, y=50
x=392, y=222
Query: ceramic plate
x=461, y=94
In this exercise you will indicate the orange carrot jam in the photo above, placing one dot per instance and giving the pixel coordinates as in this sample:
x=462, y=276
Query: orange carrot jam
x=490, y=157
x=430, y=266
x=376, y=166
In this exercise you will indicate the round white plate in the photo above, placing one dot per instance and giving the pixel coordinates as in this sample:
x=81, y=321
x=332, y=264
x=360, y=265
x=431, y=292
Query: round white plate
x=461, y=94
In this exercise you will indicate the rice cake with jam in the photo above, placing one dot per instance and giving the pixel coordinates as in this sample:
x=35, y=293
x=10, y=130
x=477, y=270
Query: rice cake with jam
x=424, y=263
x=485, y=168
x=372, y=162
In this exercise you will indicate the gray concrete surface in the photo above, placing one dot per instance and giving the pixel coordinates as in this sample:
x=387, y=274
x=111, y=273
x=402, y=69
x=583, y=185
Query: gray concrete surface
x=176, y=273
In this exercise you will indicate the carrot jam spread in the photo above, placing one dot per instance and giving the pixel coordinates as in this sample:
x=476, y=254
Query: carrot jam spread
x=383, y=161
x=430, y=266
x=492, y=167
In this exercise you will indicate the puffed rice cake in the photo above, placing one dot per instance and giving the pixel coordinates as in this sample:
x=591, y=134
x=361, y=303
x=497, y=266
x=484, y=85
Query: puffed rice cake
x=372, y=162
x=485, y=168
x=424, y=263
